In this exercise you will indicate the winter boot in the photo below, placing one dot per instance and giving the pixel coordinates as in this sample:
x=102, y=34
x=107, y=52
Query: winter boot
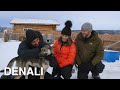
x=96, y=76
x=48, y=76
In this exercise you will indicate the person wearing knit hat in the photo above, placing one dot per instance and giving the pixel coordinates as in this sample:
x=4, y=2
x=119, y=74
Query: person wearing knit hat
x=66, y=33
x=89, y=53
x=31, y=46
x=67, y=29
x=87, y=27
x=64, y=52
x=31, y=36
x=86, y=30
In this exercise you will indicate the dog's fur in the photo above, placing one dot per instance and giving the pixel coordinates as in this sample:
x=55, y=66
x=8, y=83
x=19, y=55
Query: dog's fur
x=41, y=62
x=46, y=50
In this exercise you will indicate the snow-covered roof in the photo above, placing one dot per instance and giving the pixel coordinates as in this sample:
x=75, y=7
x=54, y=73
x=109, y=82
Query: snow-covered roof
x=34, y=21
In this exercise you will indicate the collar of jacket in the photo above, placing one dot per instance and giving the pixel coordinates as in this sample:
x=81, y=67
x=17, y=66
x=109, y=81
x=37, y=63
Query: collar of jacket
x=93, y=36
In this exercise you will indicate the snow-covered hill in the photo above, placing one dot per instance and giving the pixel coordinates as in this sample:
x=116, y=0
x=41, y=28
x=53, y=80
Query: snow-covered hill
x=8, y=50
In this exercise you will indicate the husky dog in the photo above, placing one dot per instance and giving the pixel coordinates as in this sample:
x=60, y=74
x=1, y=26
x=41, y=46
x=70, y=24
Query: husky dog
x=41, y=62
x=46, y=50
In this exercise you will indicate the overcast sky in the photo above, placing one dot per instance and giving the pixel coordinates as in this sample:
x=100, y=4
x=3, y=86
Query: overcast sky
x=101, y=20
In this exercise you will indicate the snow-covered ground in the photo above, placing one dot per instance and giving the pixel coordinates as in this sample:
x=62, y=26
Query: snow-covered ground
x=8, y=50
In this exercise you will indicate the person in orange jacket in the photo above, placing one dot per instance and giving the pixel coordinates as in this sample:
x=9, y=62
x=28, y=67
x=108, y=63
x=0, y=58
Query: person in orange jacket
x=64, y=52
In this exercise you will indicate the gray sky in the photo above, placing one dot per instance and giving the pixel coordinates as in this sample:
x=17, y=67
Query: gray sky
x=101, y=20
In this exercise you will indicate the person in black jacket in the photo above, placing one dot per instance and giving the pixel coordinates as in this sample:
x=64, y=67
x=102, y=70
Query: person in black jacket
x=30, y=47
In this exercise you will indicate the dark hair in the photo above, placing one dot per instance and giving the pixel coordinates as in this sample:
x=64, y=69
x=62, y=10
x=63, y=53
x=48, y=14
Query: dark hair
x=39, y=35
x=69, y=41
x=31, y=35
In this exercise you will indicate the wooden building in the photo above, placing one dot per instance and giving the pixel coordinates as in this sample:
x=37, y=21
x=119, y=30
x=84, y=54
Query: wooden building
x=45, y=26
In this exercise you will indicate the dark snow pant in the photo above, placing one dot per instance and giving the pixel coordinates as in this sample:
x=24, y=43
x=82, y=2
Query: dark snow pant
x=83, y=74
x=66, y=72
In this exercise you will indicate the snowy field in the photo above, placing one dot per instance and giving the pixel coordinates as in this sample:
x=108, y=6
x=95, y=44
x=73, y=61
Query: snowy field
x=8, y=50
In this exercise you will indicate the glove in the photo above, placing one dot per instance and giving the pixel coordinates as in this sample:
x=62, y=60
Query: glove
x=90, y=66
x=53, y=62
x=85, y=67
x=99, y=67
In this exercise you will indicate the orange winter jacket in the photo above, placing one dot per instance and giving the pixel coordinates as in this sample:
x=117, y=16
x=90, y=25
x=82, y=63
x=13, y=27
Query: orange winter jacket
x=66, y=55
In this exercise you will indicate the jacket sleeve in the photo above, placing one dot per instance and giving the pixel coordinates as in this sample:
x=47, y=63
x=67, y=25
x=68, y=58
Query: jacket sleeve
x=77, y=59
x=71, y=56
x=25, y=52
x=99, y=53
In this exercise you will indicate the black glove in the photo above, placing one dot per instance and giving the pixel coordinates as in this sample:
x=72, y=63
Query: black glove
x=52, y=60
x=99, y=67
x=90, y=65
x=85, y=67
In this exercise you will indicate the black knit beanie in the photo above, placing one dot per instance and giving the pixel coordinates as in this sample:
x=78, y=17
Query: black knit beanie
x=67, y=29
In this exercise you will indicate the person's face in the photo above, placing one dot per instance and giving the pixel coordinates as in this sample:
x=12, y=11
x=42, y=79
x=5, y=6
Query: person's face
x=64, y=38
x=35, y=42
x=85, y=33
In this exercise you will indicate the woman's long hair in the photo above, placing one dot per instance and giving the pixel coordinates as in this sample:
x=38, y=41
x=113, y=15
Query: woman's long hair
x=69, y=41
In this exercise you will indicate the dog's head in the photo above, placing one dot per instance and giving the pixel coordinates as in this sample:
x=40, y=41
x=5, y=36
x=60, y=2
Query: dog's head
x=46, y=50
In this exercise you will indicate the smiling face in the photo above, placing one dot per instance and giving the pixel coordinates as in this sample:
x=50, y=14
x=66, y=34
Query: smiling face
x=35, y=42
x=85, y=33
x=64, y=38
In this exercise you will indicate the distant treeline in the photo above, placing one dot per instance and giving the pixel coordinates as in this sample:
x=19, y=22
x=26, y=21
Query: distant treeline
x=108, y=31
x=103, y=31
x=2, y=29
